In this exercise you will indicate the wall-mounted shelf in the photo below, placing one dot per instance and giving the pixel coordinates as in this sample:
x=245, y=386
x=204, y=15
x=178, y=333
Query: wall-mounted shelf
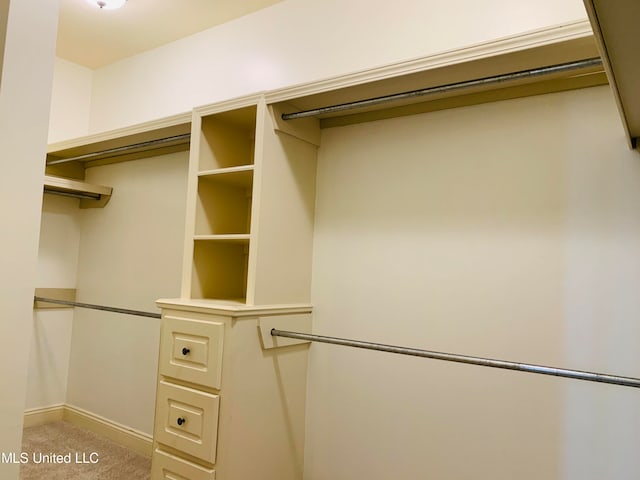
x=512, y=54
x=91, y=196
x=67, y=161
x=71, y=157
x=615, y=27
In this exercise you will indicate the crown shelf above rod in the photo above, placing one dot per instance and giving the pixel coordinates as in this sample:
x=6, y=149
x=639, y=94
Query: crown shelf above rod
x=71, y=158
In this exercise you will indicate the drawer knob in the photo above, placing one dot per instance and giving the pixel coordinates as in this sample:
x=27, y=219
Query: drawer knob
x=185, y=351
x=181, y=421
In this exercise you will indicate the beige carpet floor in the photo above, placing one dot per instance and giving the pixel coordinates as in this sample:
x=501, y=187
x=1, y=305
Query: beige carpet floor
x=76, y=445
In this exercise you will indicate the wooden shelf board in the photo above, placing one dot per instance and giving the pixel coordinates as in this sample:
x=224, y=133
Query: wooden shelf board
x=67, y=186
x=242, y=238
x=75, y=186
x=236, y=176
x=144, y=132
x=226, y=171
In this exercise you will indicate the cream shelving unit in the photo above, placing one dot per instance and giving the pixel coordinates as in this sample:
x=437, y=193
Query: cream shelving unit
x=249, y=229
x=221, y=184
x=247, y=266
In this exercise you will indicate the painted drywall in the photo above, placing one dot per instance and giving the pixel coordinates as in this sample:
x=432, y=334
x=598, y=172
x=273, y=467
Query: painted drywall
x=70, y=101
x=130, y=256
x=505, y=230
x=602, y=424
x=299, y=41
x=57, y=267
x=59, y=245
x=25, y=95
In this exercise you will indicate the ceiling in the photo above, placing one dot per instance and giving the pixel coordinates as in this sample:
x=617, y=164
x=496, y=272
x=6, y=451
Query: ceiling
x=93, y=37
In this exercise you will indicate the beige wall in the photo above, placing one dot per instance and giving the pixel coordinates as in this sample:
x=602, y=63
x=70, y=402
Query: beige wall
x=502, y=230
x=602, y=307
x=130, y=255
x=70, y=101
x=57, y=266
x=59, y=245
x=25, y=93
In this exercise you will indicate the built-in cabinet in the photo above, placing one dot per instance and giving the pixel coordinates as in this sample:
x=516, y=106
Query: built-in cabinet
x=249, y=228
x=226, y=406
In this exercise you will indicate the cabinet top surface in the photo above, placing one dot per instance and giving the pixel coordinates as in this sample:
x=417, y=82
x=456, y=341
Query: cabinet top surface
x=230, y=307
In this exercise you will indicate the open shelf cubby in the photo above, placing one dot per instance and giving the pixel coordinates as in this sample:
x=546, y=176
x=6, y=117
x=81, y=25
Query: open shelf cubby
x=227, y=139
x=220, y=269
x=223, y=203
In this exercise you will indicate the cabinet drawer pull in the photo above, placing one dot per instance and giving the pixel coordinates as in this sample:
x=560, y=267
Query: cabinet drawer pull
x=186, y=351
x=181, y=421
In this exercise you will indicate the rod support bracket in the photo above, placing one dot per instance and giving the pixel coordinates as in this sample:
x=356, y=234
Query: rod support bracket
x=300, y=322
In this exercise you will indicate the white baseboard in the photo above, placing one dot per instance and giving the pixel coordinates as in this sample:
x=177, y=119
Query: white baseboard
x=128, y=437
x=39, y=416
x=121, y=434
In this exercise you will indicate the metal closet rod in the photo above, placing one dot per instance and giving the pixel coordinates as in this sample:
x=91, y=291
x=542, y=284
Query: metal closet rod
x=496, y=79
x=114, y=152
x=87, y=196
x=104, y=308
x=451, y=357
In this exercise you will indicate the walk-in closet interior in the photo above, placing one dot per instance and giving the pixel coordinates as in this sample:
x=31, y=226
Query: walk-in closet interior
x=466, y=192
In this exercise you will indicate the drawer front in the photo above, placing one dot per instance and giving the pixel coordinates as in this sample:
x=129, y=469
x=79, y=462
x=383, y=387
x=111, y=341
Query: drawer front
x=187, y=419
x=170, y=467
x=191, y=351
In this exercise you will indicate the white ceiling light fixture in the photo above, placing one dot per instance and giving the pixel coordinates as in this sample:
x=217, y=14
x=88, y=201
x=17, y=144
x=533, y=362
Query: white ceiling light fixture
x=108, y=4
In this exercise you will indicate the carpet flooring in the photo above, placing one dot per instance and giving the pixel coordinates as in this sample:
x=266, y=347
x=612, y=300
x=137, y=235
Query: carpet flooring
x=62, y=451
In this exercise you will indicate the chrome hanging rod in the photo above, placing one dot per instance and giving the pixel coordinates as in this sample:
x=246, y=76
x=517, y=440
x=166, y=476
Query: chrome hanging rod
x=87, y=196
x=481, y=82
x=451, y=357
x=104, y=308
x=117, y=151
